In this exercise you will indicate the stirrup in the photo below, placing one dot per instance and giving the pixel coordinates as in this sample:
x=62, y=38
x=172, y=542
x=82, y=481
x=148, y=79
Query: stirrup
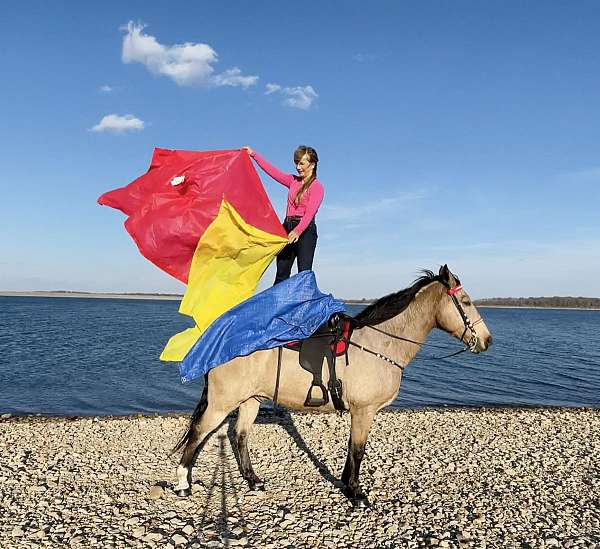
x=311, y=402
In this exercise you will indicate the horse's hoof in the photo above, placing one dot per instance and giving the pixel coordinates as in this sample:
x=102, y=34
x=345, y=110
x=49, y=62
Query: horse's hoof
x=183, y=492
x=360, y=502
x=257, y=486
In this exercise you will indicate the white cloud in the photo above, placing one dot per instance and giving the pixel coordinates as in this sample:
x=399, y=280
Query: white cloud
x=298, y=97
x=369, y=210
x=590, y=174
x=187, y=64
x=362, y=57
x=115, y=123
x=272, y=88
x=517, y=269
x=233, y=77
x=106, y=88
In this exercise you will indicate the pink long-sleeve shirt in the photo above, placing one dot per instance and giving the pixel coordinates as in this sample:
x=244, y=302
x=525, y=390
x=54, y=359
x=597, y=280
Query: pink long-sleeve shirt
x=310, y=201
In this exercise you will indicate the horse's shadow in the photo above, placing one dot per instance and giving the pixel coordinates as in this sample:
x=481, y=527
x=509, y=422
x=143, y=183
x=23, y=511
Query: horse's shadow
x=222, y=483
x=223, y=475
x=282, y=417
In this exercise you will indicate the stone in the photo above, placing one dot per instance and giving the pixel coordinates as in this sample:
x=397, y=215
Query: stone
x=40, y=534
x=156, y=492
x=178, y=539
x=412, y=503
x=138, y=532
x=152, y=536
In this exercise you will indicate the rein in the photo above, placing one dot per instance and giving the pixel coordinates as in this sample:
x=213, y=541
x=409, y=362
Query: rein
x=469, y=326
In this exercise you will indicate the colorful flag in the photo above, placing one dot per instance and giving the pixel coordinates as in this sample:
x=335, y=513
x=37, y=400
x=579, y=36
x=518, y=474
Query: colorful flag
x=289, y=311
x=204, y=218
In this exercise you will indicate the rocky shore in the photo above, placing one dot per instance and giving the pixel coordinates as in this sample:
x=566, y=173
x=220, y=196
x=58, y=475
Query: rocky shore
x=435, y=478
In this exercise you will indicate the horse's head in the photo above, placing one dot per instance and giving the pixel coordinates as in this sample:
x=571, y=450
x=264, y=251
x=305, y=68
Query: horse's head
x=458, y=316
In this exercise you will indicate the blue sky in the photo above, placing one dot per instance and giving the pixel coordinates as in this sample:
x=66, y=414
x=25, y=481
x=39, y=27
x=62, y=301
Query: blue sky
x=465, y=133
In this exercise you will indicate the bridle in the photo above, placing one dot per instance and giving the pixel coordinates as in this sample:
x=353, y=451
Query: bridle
x=470, y=326
x=469, y=345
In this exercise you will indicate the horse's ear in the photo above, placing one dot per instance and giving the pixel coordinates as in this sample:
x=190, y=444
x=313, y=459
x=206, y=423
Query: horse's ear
x=444, y=274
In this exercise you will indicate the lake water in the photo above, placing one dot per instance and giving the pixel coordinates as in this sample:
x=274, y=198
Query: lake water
x=72, y=356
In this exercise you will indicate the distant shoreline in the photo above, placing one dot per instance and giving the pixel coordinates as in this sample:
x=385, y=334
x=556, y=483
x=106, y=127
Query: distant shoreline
x=178, y=297
x=532, y=307
x=91, y=295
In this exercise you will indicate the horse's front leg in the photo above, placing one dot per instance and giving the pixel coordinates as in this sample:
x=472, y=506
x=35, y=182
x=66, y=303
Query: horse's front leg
x=359, y=431
x=246, y=415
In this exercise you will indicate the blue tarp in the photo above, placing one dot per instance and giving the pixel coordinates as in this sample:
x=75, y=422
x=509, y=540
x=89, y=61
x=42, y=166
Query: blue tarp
x=289, y=311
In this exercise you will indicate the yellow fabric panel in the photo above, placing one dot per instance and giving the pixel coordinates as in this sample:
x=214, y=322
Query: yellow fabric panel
x=179, y=344
x=229, y=260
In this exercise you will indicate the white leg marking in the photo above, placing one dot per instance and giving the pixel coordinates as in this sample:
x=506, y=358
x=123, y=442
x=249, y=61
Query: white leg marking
x=182, y=474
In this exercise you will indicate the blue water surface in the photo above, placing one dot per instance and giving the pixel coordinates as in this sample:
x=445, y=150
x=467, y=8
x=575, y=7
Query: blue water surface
x=84, y=356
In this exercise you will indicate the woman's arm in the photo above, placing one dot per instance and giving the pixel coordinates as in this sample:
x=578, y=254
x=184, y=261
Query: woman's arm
x=314, y=201
x=279, y=176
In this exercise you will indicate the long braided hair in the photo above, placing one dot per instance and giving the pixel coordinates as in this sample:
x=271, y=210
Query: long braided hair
x=313, y=158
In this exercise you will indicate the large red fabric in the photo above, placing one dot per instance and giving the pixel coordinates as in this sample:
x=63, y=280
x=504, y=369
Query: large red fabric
x=166, y=221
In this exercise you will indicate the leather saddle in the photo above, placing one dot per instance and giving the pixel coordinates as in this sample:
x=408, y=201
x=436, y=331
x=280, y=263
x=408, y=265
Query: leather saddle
x=328, y=342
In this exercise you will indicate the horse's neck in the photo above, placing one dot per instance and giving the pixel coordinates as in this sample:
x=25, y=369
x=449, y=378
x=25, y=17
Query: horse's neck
x=414, y=323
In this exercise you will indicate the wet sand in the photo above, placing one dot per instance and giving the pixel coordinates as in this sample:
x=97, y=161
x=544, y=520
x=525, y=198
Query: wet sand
x=435, y=478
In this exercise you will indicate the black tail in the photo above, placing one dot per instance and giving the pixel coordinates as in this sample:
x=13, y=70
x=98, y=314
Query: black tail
x=200, y=409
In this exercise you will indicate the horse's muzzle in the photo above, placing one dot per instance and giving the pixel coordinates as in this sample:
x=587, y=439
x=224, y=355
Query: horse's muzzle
x=483, y=343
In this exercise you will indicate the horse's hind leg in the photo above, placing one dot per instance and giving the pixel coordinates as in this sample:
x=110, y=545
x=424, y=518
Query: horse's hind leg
x=198, y=432
x=359, y=432
x=246, y=415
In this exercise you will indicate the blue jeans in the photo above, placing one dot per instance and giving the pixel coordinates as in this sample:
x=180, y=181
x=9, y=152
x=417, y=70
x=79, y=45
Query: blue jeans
x=303, y=249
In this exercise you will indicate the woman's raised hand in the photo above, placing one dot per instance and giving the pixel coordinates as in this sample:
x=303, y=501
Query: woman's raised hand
x=248, y=149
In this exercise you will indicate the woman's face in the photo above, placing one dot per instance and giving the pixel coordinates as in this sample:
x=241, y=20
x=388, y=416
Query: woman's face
x=305, y=167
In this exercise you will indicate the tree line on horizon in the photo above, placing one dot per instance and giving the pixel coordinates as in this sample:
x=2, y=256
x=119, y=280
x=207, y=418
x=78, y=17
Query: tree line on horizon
x=555, y=301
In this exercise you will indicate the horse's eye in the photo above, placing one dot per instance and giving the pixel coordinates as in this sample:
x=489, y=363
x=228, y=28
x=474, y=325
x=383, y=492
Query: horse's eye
x=466, y=302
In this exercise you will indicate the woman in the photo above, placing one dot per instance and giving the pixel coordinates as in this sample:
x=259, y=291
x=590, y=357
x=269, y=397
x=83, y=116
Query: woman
x=304, y=198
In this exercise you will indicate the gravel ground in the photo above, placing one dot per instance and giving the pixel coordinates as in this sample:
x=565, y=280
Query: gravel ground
x=435, y=478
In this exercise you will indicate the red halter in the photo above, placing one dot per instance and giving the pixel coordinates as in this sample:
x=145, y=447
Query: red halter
x=454, y=291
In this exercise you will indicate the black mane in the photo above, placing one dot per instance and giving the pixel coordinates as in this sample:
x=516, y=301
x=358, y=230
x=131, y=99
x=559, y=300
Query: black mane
x=393, y=304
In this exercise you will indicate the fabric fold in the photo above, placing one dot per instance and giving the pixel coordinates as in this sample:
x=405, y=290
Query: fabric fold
x=289, y=311
x=229, y=261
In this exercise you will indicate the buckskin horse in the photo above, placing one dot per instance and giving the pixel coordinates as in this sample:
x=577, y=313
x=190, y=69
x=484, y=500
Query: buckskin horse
x=386, y=336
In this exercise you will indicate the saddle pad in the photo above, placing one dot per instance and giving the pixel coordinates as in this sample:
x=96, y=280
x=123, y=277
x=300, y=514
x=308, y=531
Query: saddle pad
x=339, y=348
